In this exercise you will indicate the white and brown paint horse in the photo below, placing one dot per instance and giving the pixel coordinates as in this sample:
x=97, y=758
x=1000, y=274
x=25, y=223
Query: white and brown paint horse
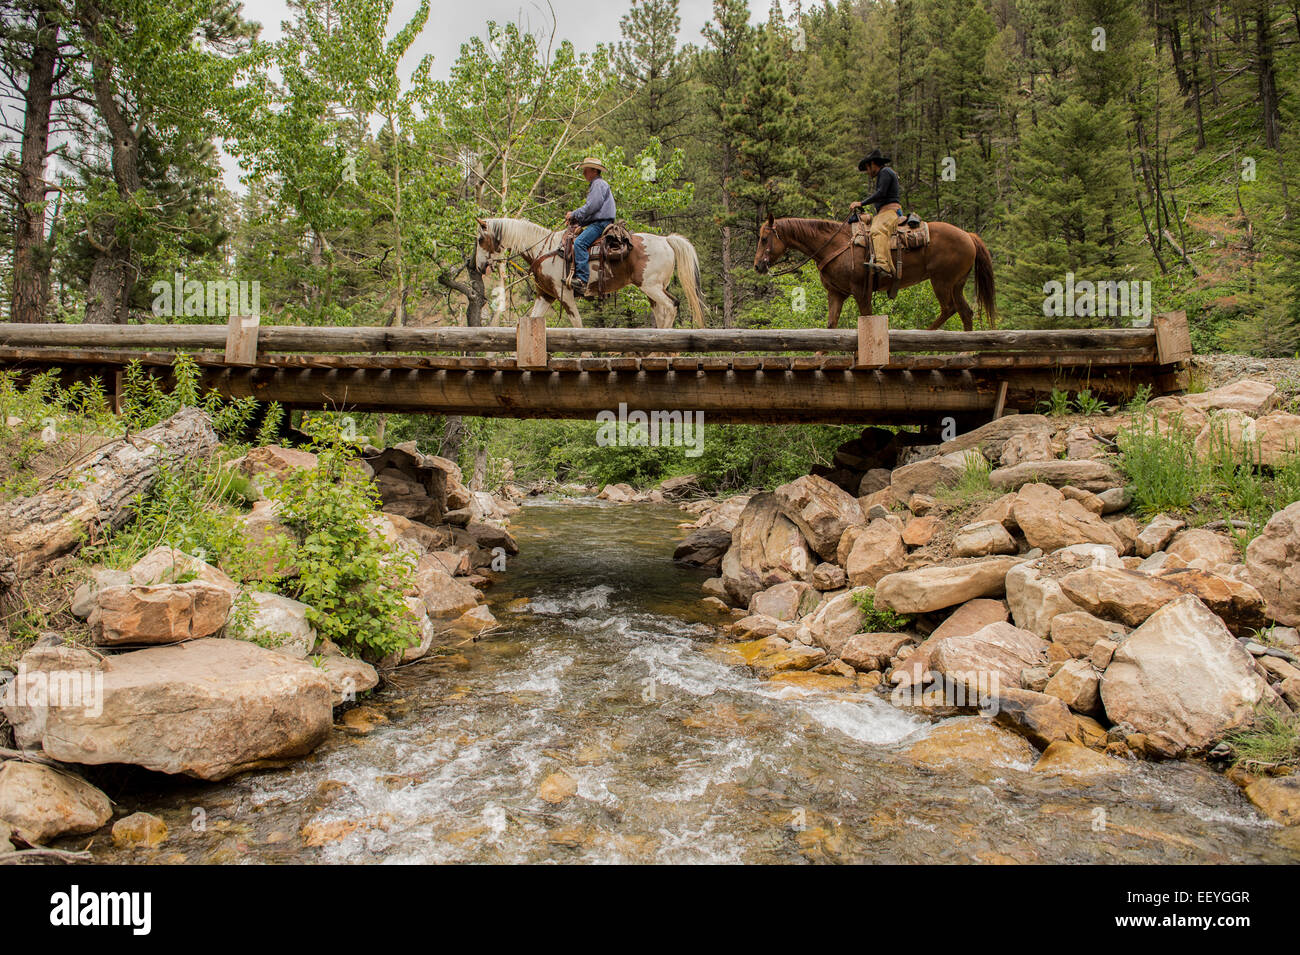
x=649, y=266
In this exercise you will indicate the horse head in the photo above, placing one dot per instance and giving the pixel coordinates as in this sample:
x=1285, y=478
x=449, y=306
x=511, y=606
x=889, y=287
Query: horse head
x=487, y=247
x=771, y=247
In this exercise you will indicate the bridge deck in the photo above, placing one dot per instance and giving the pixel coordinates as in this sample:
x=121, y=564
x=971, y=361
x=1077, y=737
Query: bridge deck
x=888, y=378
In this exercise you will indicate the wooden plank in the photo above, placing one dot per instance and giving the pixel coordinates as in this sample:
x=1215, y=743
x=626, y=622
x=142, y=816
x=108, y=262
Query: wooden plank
x=241, y=340
x=654, y=364
x=530, y=338
x=806, y=363
x=564, y=364
x=685, y=364
x=1001, y=403
x=873, y=341
x=1173, y=339
x=594, y=364
x=746, y=363
x=624, y=364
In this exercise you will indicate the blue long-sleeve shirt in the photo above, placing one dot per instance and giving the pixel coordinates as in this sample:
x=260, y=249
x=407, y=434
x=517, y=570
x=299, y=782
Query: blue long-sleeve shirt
x=599, y=204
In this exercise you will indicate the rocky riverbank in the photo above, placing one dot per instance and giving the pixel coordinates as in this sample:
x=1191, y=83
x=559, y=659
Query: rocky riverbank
x=1010, y=571
x=183, y=665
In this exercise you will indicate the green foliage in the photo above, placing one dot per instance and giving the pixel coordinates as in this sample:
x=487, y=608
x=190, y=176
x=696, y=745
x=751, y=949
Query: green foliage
x=973, y=483
x=352, y=578
x=1057, y=404
x=1162, y=468
x=1138, y=403
x=37, y=418
x=1272, y=742
x=1088, y=404
x=878, y=619
x=146, y=402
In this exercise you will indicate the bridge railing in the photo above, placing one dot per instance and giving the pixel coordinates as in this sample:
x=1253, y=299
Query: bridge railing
x=872, y=343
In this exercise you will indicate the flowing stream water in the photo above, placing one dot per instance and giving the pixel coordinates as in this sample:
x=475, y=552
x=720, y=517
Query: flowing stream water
x=608, y=669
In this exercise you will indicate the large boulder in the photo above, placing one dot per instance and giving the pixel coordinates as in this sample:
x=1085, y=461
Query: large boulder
x=1272, y=559
x=1091, y=475
x=991, y=438
x=990, y=659
x=872, y=651
x=704, y=547
x=787, y=601
x=42, y=803
x=837, y=619
x=982, y=539
x=936, y=588
x=820, y=510
x=445, y=597
x=1038, y=717
x=1239, y=604
x=161, y=613
x=1034, y=591
x=1078, y=631
x=208, y=708
x=1078, y=685
x=1279, y=438
x=1203, y=549
x=1128, y=596
x=1050, y=520
x=277, y=623
x=167, y=565
x=870, y=552
x=1035, y=445
x=1182, y=680
x=966, y=619
x=766, y=549
x=1249, y=396
x=1157, y=534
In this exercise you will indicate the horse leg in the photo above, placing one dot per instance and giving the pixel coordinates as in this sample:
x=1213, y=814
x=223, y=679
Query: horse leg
x=834, y=302
x=963, y=307
x=944, y=294
x=662, y=305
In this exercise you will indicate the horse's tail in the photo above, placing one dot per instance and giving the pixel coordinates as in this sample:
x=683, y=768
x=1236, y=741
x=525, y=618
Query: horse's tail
x=688, y=273
x=985, y=292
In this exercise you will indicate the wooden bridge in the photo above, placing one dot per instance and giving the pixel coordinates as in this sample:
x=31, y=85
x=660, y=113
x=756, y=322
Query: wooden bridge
x=868, y=374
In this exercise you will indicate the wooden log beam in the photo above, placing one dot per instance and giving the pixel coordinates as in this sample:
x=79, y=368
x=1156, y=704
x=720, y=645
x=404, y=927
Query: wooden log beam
x=372, y=340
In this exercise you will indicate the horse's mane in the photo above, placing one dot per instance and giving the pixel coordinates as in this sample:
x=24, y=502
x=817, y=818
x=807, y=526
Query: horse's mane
x=520, y=234
x=801, y=229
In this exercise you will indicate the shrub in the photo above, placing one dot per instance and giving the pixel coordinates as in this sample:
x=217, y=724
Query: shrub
x=1162, y=467
x=878, y=619
x=1273, y=741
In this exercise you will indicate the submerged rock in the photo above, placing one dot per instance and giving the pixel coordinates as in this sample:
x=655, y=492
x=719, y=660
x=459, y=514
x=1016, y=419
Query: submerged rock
x=42, y=803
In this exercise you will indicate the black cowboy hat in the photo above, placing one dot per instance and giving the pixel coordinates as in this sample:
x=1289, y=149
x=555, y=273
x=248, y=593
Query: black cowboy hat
x=874, y=157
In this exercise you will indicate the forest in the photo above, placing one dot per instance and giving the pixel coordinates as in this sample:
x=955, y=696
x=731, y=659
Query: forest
x=1095, y=140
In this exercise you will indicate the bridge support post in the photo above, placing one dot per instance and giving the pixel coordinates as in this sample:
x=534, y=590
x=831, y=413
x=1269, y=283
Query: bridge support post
x=241, y=340
x=1173, y=340
x=530, y=343
x=873, y=341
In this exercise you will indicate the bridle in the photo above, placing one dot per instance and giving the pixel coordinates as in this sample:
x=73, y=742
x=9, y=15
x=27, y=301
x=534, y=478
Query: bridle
x=790, y=270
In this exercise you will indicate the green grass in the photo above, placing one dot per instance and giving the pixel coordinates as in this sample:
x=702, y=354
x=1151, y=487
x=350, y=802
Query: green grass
x=973, y=482
x=1273, y=742
x=878, y=619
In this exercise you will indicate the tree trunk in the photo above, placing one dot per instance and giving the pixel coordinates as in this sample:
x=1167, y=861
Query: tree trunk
x=35, y=530
x=479, y=478
x=1265, y=70
x=31, y=267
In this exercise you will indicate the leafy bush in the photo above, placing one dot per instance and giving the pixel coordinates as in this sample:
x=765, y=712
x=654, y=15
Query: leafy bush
x=351, y=577
x=1088, y=404
x=1057, y=404
x=878, y=619
x=1162, y=468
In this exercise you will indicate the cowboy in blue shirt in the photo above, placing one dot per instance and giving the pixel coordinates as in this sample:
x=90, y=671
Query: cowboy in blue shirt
x=596, y=213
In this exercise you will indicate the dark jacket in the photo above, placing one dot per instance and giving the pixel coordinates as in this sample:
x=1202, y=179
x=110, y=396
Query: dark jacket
x=886, y=189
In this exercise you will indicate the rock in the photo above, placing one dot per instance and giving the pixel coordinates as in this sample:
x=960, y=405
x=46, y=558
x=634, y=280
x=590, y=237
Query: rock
x=991, y=438
x=445, y=598
x=1033, y=445
x=1095, y=476
x=1227, y=434
x=167, y=565
x=1077, y=685
x=207, y=708
x=475, y=620
x=42, y=803
x=966, y=619
x=269, y=540
x=1289, y=690
x=1169, y=413
x=766, y=549
x=704, y=547
x=777, y=655
x=920, y=530
x=756, y=626
x=827, y=576
x=1035, y=678
x=1182, y=681
x=1091, y=502
x=1103, y=651
x=1271, y=559
x=276, y=461
x=713, y=587
x=1076, y=763
x=557, y=788
x=1081, y=444
x=787, y=601
x=820, y=510
x=425, y=631
x=681, y=486
x=1278, y=798
x=971, y=740
x=1034, y=588
x=1127, y=530
x=1124, y=595
x=868, y=553
x=84, y=599
x=1115, y=499
x=884, y=498
x=1159, y=532
x=348, y=678
x=872, y=651
x=935, y=588
x=1079, y=632
x=837, y=619
x=162, y=613
x=1203, y=549
x=1239, y=604
x=874, y=480
x=928, y=475
x=1250, y=396
x=920, y=504
x=617, y=493
x=140, y=830
x=988, y=660
x=1051, y=521
x=490, y=537
x=1279, y=438
x=982, y=539
x=1038, y=717
x=278, y=623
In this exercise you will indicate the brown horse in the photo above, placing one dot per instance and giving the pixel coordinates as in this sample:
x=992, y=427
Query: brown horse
x=946, y=262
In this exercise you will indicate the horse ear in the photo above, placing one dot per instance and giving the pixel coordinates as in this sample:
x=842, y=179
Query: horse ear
x=770, y=220
x=482, y=224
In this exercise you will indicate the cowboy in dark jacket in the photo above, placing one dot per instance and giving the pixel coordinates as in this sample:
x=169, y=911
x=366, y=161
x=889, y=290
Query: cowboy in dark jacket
x=888, y=207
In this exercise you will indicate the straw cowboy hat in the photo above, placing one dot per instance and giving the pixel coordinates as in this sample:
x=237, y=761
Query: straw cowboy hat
x=593, y=163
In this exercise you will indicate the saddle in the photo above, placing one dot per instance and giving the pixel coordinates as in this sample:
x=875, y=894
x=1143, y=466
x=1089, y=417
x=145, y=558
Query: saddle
x=613, y=246
x=912, y=232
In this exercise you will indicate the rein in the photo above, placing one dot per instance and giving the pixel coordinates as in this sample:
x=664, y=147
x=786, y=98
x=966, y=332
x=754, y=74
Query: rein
x=813, y=257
